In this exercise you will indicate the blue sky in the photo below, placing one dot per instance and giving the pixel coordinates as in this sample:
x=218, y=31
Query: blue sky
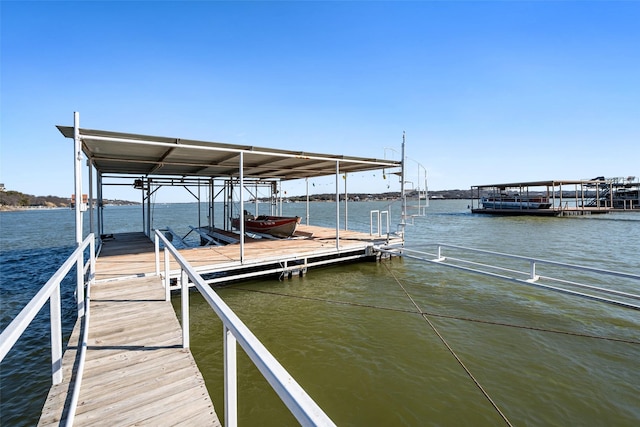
x=487, y=92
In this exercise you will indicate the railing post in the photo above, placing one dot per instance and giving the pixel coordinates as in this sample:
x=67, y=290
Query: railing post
x=92, y=260
x=230, y=379
x=156, y=241
x=167, y=280
x=80, y=284
x=56, y=336
x=184, y=288
x=371, y=221
x=386, y=213
x=533, y=271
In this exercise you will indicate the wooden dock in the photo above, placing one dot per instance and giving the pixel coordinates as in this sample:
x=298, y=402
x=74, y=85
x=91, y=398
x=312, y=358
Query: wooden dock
x=132, y=254
x=136, y=371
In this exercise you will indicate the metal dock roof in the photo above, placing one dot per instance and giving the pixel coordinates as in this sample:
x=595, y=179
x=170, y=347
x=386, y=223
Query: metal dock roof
x=127, y=153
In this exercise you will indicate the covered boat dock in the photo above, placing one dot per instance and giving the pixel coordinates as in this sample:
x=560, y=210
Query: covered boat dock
x=138, y=363
x=229, y=175
x=544, y=198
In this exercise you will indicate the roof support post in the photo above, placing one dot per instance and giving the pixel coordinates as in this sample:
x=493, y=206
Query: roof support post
x=148, y=198
x=256, y=200
x=241, y=207
x=307, y=182
x=337, y=205
x=274, y=198
x=77, y=160
x=211, y=203
x=346, y=206
x=91, y=210
x=100, y=216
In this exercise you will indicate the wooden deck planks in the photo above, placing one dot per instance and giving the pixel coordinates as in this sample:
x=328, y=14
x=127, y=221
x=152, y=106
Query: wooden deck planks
x=113, y=263
x=136, y=372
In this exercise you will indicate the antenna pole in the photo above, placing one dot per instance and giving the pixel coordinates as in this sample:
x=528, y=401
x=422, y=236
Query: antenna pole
x=404, y=198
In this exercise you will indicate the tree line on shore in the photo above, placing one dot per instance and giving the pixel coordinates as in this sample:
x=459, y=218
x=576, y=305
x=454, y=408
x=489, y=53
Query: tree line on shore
x=392, y=195
x=16, y=199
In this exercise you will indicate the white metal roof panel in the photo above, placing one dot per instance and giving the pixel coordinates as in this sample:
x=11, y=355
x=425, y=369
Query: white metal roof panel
x=134, y=154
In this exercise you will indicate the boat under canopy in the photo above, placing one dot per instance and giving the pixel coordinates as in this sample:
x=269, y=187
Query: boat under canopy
x=278, y=226
x=226, y=172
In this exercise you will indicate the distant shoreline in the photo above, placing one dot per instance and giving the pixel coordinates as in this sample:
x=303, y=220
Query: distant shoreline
x=6, y=208
x=11, y=208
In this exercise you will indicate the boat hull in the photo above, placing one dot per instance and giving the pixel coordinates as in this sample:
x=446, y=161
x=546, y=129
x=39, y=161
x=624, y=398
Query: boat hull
x=273, y=225
x=539, y=203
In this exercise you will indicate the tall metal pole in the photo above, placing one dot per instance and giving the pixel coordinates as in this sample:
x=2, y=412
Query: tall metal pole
x=256, y=200
x=91, y=202
x=241, y=207
x=404, y=198
x=148, y=230
x=337, y=205
x=211, y=203
x=346, y=207
x=307, y=181
x=77, y=173
x=100, y=207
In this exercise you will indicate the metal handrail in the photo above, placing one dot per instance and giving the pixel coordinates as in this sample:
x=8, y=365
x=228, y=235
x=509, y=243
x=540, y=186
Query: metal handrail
x=75, y=397
x=543, y=261
x=49, y=292
x=531, y=276
x=378, y=214
x=301, y=405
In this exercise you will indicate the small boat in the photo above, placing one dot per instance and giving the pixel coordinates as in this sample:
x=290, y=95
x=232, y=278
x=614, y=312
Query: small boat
x=279, y=226
x=505, y=201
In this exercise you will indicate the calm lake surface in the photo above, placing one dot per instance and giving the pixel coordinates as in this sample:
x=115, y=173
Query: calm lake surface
x=353, y=338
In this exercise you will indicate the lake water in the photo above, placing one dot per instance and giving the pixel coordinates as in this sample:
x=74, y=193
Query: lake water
x=353, y=338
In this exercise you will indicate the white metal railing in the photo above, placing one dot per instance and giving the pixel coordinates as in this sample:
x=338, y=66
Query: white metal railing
x=51, y=292
x=306, y=411
x=75, y=396
x=529, y=277
x=378, y=214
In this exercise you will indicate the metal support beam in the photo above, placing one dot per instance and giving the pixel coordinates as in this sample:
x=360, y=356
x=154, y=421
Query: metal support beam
x=241, y=207
x=337, y=204
x=307, y=182
x=402, y=194
x=91, y=201
x=77, y=154
x=346, y=204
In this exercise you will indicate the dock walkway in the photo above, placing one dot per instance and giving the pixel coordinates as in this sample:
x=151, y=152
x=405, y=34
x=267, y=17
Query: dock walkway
x=136, y=371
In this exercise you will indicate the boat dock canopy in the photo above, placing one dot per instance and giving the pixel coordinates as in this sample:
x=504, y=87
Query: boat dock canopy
x=133, y=154
x=557, y=197
x=549, y=183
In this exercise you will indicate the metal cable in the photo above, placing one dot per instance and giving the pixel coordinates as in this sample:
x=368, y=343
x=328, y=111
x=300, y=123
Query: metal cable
x=444, y=316
x=453, y=353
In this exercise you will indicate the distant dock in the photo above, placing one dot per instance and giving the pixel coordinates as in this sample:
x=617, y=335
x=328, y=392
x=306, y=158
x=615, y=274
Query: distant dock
x=558, y=197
